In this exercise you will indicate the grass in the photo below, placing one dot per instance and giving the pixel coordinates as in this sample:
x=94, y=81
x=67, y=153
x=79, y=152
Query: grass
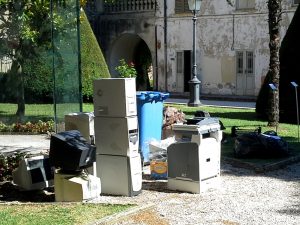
x=49, y=214
x=36, y=112
x=246, y=118
x=229, y=116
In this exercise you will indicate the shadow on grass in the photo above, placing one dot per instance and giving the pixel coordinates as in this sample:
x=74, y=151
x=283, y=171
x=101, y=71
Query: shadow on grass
x=10, y=193
x=250, y=116
x=237, y=115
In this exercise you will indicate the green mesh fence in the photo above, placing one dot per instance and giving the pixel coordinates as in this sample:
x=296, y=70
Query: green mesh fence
x=66, y=59
x=40, y=75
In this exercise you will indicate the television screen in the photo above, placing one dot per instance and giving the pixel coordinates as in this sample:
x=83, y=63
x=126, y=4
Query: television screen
x=70, y=151
x=34, y=173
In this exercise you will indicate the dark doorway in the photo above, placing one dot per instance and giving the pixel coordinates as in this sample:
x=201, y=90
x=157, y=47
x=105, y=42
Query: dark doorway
x=187, y=69
x=143, y=62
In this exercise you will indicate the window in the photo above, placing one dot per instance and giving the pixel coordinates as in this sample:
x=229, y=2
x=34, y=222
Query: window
x=245, y=77
x=249, y=62
x=181, y=6
x=240, y=62
x=296, y=2
x=245, y=4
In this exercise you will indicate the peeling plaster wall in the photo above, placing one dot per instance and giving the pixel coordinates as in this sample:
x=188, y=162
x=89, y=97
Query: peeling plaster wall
x=221, y=32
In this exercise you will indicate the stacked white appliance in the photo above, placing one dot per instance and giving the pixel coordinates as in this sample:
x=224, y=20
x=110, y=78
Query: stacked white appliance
x=194, y=160
x=118, y=160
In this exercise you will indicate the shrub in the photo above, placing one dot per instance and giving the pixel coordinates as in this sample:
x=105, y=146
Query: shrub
x=8, y=164
x=126, y=70
x=93, y=64
x=35, y=128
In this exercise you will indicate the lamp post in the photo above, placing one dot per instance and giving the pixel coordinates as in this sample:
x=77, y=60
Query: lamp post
x=295, y=85
x=194, y=6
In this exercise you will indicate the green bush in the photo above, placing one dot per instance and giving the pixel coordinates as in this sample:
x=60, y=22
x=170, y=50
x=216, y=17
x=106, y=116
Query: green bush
x=34, y=128
x=8, y=164
x=93, y=64
x=126, y=70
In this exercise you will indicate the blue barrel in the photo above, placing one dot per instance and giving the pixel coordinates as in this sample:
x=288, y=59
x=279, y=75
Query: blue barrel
x=150, y=118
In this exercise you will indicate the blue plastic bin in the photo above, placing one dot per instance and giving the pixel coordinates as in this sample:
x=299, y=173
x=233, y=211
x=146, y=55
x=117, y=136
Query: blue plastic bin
x=150, y=118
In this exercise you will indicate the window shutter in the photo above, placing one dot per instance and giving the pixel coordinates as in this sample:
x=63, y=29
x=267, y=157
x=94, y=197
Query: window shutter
x=181, y=6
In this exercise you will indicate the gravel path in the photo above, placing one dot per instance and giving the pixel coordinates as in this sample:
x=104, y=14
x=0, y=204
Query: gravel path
x=244, y=198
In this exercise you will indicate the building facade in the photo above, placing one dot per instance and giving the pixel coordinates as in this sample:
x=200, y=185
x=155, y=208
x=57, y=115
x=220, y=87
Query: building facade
x=232, y=42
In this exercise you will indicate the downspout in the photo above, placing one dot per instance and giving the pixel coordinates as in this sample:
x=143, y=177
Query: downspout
x=165, y=45
x=156, y=61
x=233, y=33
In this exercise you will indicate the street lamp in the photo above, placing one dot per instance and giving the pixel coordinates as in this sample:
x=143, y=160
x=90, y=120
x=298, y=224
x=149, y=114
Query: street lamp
x=194, y=6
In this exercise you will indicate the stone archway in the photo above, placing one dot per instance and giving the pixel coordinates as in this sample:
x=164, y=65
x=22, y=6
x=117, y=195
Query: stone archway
x=132, y=48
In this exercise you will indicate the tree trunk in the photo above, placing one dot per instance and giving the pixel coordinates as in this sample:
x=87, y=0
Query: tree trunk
x=274, y=7
x=20, y=93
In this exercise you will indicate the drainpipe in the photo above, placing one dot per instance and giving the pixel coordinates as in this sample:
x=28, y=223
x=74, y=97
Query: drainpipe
x=233, y=31
x=165, y=45
x=156, y=61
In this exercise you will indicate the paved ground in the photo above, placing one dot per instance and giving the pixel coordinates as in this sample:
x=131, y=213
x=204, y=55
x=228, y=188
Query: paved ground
x=27, y=143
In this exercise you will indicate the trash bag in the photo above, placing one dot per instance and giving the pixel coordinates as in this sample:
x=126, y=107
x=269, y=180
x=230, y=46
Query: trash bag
x=255, y=145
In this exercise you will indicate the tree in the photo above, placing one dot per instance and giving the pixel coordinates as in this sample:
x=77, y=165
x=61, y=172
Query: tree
x=25, y=27
x=266, y=95
x=274, y=7
x=268, y=100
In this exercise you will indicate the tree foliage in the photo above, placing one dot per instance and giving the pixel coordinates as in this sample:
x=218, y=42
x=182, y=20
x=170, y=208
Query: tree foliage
x=25, y=27
x=92, y=60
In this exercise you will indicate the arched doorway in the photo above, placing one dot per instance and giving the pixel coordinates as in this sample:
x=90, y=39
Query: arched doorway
x=132, y=48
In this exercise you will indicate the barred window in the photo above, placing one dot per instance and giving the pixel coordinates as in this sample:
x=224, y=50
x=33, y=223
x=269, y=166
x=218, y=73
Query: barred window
x=245, y=4
x=181, y=6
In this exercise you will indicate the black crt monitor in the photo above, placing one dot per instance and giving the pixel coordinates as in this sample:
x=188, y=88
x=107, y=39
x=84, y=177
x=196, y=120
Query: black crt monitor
x=70, y=151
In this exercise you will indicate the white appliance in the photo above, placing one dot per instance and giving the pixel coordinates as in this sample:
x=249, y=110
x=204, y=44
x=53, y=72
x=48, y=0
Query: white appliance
x=84, y=123
x=120, y=175
x=118, y=161
x=81, y=121
x=116, y=135
x=34, y=173
x=76, y=187
x=194, y=161
x=115, y=97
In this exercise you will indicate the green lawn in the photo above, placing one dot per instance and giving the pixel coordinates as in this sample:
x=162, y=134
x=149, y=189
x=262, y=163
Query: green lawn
x=229, y=117
x=34, y=112
x=246, y=118
x=59, y=213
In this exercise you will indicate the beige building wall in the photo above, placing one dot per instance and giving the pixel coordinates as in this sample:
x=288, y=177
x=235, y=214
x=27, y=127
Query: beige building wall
x=222, y=32
x=232, y=44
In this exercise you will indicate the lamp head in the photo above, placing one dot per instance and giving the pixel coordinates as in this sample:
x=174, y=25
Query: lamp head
x=194, y=5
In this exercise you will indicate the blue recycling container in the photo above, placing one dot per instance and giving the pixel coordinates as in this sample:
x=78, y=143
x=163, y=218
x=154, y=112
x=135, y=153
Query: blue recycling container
x=150, y=118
